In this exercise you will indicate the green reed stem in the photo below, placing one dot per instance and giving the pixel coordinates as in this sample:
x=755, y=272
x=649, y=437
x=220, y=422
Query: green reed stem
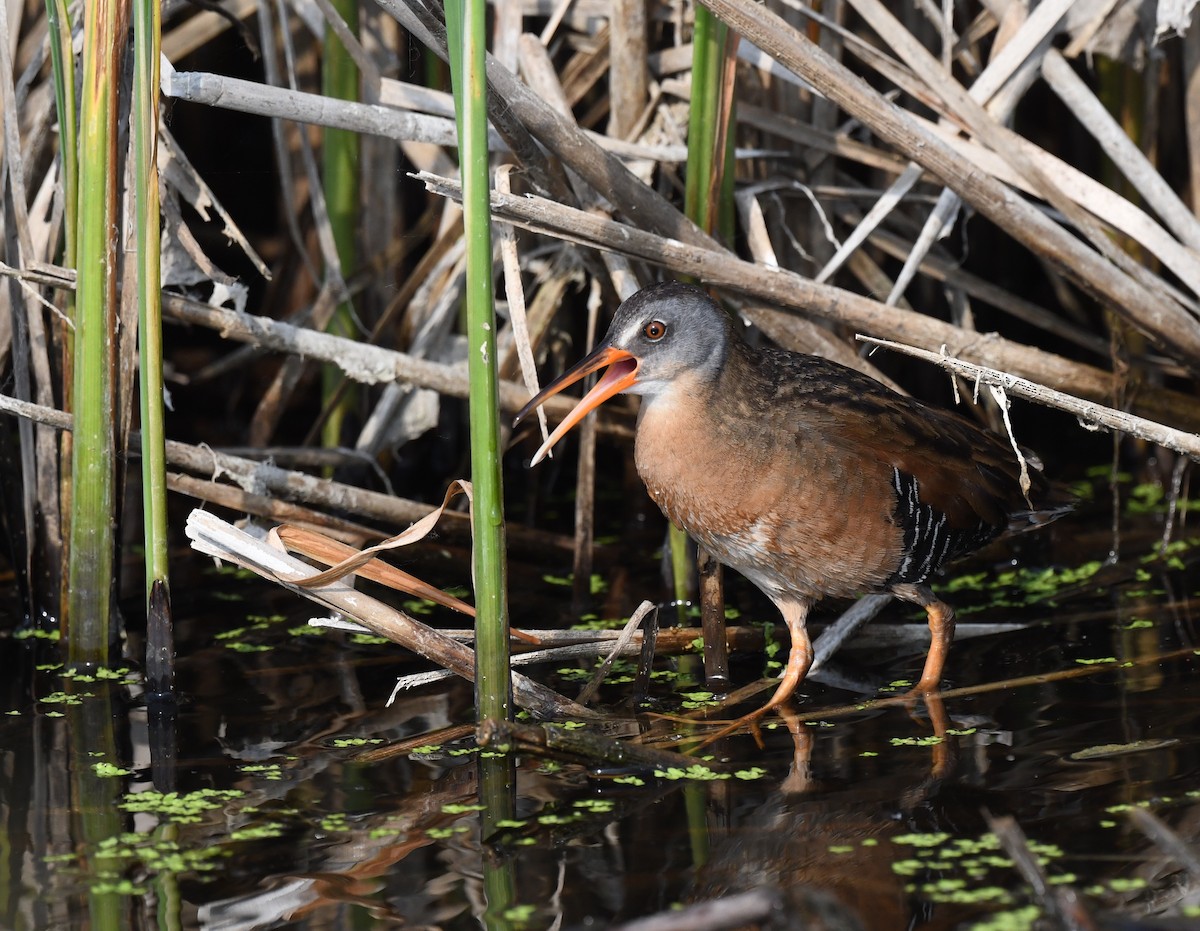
x=147, y=32
x=467, y=29
x=62, y=63
x=92, y=502
x=340, y=79
x=704, y=165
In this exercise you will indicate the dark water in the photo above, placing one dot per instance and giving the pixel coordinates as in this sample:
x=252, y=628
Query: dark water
x=855, y=817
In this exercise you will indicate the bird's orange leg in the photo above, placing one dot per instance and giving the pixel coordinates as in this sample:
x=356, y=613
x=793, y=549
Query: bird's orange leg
x=941, y=629
x=800, y=658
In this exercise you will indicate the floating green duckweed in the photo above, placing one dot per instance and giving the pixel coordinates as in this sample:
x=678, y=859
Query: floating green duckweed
x=594, y=805
x=239, y=646
x=1138, y=623
x=342, y=743
x=257, y=832
x=109, y=770
x=444, y=833
x=1095, y=662
x=368, y=640
x=100, y=674
x=695, y=771
x=968, y=861
x=931, y=741
x=66, y=698
x=34, y=634
x=334, y=823
x=935, y=839
x=185, y=808
x=1018, y=587
x=455, y=808
x=869, y=753
x=154, y=856
x=629, y=781
x=520, y=913
x=272, y=772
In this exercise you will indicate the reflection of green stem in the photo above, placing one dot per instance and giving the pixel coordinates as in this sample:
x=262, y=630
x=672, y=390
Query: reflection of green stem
x=147, y=42
x=497, y=795
x=94, y=797
x=169, y=909
x=695, y=798
x=339, y=78
x=92, y=502
x=467, y=28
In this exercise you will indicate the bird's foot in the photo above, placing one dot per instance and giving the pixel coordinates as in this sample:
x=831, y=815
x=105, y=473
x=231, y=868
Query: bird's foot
x=730, y=727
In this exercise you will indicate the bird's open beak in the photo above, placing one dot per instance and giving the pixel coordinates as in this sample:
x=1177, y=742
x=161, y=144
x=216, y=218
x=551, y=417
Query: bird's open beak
x=622, y=373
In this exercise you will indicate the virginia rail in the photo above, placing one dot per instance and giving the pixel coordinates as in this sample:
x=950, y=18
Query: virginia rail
x=805, y=476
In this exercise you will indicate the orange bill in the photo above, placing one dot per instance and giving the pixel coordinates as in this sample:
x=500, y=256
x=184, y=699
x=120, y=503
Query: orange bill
x=621, y=374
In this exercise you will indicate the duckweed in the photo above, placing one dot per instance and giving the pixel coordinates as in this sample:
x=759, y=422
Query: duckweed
x=183, y=808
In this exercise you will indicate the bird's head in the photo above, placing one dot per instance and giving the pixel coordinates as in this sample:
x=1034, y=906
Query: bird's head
x=656, y=336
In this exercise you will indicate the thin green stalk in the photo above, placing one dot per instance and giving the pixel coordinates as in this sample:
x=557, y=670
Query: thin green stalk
x=147, y=42
x=62, y=62
x=493, y=686
x=708, y=41
x=92, y=518
x=704, y=165
x=340, y=79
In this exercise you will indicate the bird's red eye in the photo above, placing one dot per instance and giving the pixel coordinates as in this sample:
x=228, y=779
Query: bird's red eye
x=655, y=330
